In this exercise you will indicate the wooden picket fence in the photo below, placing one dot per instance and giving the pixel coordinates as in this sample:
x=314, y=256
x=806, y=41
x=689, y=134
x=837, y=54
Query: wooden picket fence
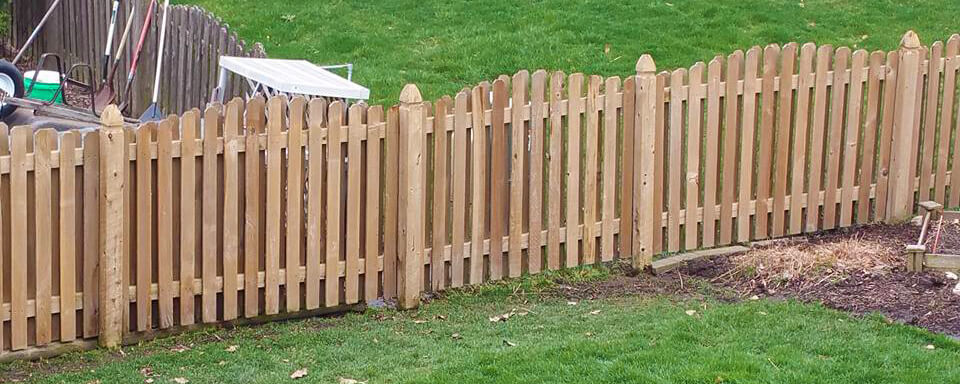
x=258, y=209
x=195, y=41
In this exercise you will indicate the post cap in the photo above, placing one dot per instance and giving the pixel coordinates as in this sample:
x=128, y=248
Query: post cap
x=111, y=116
x=410, y=94
x=910, y=40
x=646, y=65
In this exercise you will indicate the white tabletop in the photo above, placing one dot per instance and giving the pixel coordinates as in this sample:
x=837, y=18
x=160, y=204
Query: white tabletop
x=294, y=76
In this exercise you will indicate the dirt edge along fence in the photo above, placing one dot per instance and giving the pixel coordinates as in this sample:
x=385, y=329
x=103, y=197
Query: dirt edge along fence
x=256, y=210
x=195, y=41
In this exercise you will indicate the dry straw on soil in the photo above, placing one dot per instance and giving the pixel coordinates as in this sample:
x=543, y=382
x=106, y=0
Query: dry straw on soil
x=807, y=264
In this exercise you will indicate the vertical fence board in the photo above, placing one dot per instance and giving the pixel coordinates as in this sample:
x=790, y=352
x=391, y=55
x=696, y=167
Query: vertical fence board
x=371, y=274
x=232, y=141
x=460, y=141
x=729, y=144
x=67, y=227
x=870, y=134
x=801, y=129
x=518, y=155
x=575, y=105
x=817, y=137
x=748, y=124
x=18, y=236
x=694, y=143
x=711, y=169
x=611, y=90
x=627, y=168
x=438, y=267
x=315, y=175
x=211, y=130
x=931, y=104
x=334, y=164
x=590, y=149
x=765, y=140
x=674, y=147
x=946, y=117
x=44, y=143
x=91, y=231
x=188, y=214
x=499, y=192
x=164, y=222
x=788, y=57
x=852, y=137
x=354, y=147
x=144, y=238
x=555, y=176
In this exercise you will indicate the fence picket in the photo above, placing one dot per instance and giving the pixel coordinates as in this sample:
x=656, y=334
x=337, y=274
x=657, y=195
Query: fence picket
x=817, y=135
x=627, y=167
x=838, y=97
x=590, y=137
x=871, y=125
x=45, y=141
x=518, y=159
x=315, y=219
x=611, y=90
x=212, y=121
x=499, y=192
x=788, y=58
x=355, y=133
x=730, y=140
x=946, y=116
x=931, y=105
x=765, y=140
x=479, y=183
x=575, y=106
x=232, y=142
x=459, y=225
x=188, y=214
x=333, y=238
x=555, y=175
x=851, y=147
x=90, y=229
x=693, y=157
x=67, y=227
x=438, y=267
x=674, y=147
x=144, y=238
x=711, y=169
x=164, y=222
x=371, y=274
x=748, y=148
x=20, y=138
x=801, y=129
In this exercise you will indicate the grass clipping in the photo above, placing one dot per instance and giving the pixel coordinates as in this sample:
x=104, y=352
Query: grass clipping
x=803, y=265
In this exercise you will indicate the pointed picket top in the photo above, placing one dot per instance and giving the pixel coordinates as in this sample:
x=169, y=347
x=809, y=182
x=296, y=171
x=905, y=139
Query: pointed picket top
x=410, y=94
x=910, y=40
x=646, y=65
x=111, y=116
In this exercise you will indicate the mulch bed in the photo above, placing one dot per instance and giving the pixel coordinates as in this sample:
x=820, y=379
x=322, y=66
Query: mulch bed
x=920, y=299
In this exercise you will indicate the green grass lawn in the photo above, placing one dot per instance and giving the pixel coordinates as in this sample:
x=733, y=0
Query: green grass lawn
x=613, y=340
x=445, y=45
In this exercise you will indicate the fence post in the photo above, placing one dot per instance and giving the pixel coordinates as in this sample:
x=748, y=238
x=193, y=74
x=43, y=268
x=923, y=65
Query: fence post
x=112, y=165
x=412, y=235
x=905, y=129
x=644, y=222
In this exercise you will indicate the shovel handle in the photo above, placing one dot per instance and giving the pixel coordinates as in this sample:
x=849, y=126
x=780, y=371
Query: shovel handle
x=143, y=38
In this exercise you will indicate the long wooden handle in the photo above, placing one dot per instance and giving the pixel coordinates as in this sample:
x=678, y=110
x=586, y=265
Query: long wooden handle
x=143, y=38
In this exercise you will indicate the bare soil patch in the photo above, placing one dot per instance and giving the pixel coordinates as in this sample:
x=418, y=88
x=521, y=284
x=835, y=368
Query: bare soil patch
x=859, y=270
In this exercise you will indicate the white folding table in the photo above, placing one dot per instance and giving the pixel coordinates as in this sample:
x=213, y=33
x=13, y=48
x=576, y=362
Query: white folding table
x=291, y=77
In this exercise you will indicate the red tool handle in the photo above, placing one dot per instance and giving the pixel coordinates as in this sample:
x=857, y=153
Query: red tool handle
x=143, y=38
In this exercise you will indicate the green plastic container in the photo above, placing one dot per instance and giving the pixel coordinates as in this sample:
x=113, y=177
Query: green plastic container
x=46, y=87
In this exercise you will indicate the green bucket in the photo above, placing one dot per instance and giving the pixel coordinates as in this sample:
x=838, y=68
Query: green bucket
x=47, y=84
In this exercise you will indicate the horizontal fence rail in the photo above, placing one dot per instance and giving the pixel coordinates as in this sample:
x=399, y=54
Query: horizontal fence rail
x=262, y=208
x=195, y=40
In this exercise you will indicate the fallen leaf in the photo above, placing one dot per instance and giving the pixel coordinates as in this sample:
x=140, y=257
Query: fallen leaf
x=754, y=297
x=930, y=347
x=419, y=321
x=298, y=373
x=691, y=312
x=441, y=317
x=597, y=312
x=180, y=348
x=146, y=371
x=761, y=313
x=344, y=380
x=572, y=303
x=456, y=336
x=499, y=318
x=509, y=343
x=588, y=334
x=148, y=380
x=222, y=362
x=181, y=380
x=232, y=348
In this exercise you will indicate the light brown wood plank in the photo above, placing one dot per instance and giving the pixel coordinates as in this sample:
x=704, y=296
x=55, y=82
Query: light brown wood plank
x=870, y=128
x=574, y=96
x=729, y=143
x=45, y=141
x=353, y=229
x=834, y=137
x=800, y=137
x=315, y=236
x=499, y=192
x=886, y=133
x=748, y=147
x=188, y=214
x=851, y=135
x=788, y=58
x=627, y=167
x=165, y=221
x=276, y=121
x=390, y=202
x=232, y=142
x=371, y=274
x=294, y=208
x=91, y=231
x=674, y=146
x=144, y=238
x=18, y=236
x=659, y=158
x=931, y=106
x=590, y=145
x=517, y=176
x=67, y=226
x=608, y=201
x=946, y=118
x=817, y=137
x=459, y=224
x=712, y=150
x=555, y=178
x=693, y=156
x=765, y=139
x=334, y=166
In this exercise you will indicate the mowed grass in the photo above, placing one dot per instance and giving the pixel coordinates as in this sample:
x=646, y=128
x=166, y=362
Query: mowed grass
x=613, y=340
x=445, y=45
